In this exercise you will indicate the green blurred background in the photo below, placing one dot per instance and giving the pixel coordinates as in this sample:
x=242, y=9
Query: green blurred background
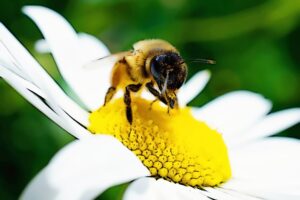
x=256, y=44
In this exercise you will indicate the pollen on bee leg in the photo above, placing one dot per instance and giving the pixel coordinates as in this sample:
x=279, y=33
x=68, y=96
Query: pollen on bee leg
x=175, y=147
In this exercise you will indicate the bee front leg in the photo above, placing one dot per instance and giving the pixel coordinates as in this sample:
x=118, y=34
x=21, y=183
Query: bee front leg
x=127, y=99
x=172, y=102
x=172, y=99
x=109, y=94
x=155, y=93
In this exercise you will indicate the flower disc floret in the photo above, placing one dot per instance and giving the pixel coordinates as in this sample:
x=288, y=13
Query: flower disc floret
x=173, y=146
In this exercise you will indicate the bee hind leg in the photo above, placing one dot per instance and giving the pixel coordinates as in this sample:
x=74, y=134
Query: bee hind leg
x=109, y=94
x=127, y=99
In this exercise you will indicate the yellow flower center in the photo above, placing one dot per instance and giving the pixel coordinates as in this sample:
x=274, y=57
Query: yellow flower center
x=174, y=146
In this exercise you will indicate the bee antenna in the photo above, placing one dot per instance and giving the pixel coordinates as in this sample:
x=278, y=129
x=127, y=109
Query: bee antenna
x=203, y=61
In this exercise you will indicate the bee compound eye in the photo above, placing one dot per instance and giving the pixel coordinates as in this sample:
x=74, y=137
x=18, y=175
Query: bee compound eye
x=156, y=66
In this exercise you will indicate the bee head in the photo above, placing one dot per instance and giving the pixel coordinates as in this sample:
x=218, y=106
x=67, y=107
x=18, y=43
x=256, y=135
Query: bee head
x=168, y=70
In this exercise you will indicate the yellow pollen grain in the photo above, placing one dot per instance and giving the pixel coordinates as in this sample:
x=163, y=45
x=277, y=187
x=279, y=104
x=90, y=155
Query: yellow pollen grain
x=174, y=146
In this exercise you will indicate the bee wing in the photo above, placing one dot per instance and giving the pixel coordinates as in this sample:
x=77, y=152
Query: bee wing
x=107, y=61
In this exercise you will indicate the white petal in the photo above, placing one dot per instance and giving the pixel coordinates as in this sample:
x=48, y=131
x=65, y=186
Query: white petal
x=36, y=97
x=22, y=87
x=261, y=190
x=91, y=47
x=193, y=87
x=70, y=56
x=84, y=169
x=37, y=75
x=267, y=168
x=270, y=125
x=7, y=60
x=147, y=95
x=39, y=187
x=42, y=46
x=234, y=112
x=149, y=188
x=219, y=193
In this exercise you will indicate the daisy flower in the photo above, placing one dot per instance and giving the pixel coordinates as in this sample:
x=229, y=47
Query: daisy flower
x=219, y=151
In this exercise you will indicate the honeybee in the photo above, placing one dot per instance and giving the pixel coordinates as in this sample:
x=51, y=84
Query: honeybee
x=154, y=64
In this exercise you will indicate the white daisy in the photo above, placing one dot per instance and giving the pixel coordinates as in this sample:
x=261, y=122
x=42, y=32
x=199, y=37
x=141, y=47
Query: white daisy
x=261, y=167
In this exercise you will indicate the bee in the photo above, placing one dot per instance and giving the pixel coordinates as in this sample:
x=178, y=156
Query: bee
x=154, y=64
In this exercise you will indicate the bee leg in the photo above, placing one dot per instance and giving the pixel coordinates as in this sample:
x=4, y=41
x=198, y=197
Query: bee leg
x=109, y=94
x=127, y=99
x=155, y=93
x=173, y=101
x=151, y=104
